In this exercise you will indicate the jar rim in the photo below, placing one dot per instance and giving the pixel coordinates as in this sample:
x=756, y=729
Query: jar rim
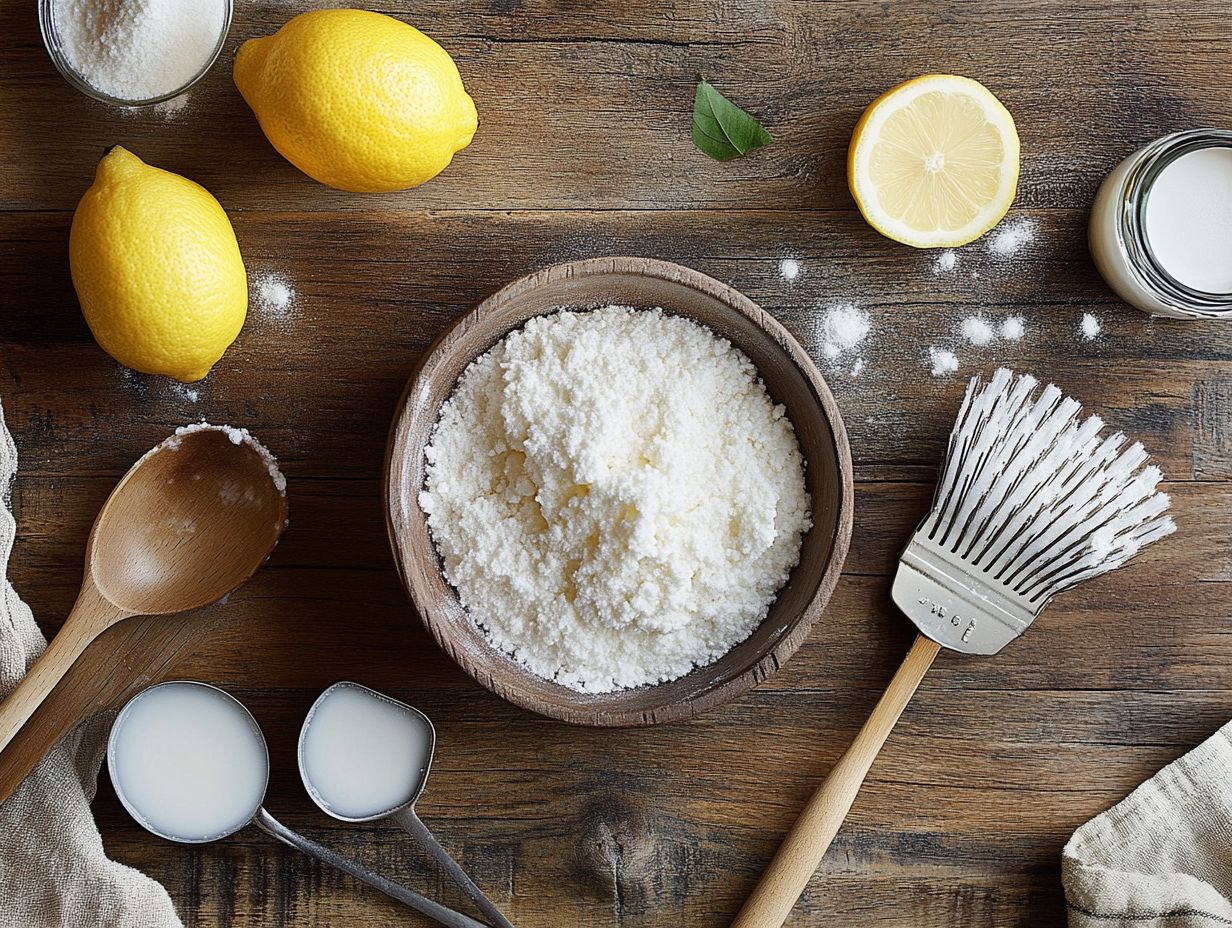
x=1132, y=236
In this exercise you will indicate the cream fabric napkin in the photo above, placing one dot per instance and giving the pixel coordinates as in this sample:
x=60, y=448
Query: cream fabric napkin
x=1163, y=856
x=53, y=870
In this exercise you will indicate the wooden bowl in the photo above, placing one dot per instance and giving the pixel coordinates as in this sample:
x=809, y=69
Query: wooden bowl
x=789, y=375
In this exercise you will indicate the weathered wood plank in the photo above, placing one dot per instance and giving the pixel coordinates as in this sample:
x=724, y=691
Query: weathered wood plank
x=519, y=797
x=584, y=107
x=338, y=525
x=321, y=388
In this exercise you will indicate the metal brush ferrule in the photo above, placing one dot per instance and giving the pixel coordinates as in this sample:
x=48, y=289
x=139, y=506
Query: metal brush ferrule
x=956, y=607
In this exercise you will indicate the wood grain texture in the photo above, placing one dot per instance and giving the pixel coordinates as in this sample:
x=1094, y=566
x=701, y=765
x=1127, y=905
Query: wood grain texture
x=791, y=379
x=583, y=151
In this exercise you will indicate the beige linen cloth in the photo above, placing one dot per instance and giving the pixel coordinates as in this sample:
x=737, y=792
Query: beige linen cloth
x=53, y=871
x=1163, y=856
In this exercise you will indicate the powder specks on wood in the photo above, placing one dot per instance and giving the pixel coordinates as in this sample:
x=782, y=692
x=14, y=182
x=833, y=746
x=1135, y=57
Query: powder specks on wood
x=844, y=326
x=942, y=361
x=1090, y=327
x=273, y=296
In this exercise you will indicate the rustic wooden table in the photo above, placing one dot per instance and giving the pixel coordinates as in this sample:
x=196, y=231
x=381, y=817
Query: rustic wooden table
x=583, y=150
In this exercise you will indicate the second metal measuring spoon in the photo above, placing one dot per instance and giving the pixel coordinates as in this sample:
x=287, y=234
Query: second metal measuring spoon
x=189, y=763
x=366, y=757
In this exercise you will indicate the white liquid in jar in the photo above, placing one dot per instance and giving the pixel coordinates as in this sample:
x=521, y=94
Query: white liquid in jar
x=362, y=754
x=1188, y=219
x=188, y=762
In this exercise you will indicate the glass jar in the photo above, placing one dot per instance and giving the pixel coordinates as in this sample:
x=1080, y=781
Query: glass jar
x=1119, y=239
x=55, y=49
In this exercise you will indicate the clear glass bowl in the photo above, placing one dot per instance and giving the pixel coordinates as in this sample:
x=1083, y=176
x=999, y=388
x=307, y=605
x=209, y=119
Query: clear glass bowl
x=51, y=40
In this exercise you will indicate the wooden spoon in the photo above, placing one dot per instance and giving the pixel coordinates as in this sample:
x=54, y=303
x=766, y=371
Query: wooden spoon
x=189, y=522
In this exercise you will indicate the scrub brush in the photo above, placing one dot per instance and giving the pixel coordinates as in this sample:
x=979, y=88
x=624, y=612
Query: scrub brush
x=1030, y=503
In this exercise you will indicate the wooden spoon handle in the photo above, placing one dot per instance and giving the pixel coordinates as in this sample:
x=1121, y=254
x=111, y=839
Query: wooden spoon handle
x=91, y=616
x=801, y=851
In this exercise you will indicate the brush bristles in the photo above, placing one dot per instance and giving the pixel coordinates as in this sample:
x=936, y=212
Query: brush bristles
x=1034, y=498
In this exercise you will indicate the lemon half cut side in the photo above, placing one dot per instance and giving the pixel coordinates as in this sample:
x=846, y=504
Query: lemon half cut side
x=933, y=162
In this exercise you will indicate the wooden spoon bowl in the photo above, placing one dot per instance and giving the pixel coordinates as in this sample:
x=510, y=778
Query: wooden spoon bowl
x=791, y=379
x=189, y=522
x=187, y=525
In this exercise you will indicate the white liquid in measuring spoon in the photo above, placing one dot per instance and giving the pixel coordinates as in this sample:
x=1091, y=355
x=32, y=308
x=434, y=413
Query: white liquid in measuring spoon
x=363, y=754
x=188, y=761
x=1189, y=219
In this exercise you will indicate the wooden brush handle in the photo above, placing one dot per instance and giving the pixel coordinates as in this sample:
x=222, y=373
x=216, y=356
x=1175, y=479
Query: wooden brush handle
x=801, y=851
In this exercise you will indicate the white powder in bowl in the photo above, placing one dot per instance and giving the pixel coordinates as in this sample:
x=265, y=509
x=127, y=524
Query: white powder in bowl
x=138, y=49
x=614, y=496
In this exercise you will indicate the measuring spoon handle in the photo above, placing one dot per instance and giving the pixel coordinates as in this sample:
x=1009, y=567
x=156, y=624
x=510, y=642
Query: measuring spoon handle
x=422, y=904
x=419, y=831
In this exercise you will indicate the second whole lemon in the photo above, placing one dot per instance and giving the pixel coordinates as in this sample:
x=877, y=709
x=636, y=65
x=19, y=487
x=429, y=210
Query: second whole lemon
x=157, y=269
x=357, y=100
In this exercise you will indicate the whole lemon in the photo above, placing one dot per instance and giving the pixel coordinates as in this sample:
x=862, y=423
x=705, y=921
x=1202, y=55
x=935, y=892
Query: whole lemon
x=357, y=100
x=157, y=269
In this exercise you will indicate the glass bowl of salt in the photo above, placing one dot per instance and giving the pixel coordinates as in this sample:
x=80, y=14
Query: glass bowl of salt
x=134, y=54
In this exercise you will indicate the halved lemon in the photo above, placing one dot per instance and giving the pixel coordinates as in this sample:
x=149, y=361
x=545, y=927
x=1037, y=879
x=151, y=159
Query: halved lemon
x=933, y=162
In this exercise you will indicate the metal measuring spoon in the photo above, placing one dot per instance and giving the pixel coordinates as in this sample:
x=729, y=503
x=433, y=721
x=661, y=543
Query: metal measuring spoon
x=345, y=729
x=149, y=801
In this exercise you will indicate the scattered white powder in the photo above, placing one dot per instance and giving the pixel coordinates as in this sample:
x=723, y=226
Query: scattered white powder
x=138, y=49
x=184, y=390
x=858, y=368
x=789, y=268
x=945, y=262
x=978, y=331
x=1089, y=327
x=1011, y=237
x=133, y=382
x=943, y=362
x=166, y=111
x=614, y=496
x=843, y=327
x=1013, y=328
x=274, y=295
x=141, y=385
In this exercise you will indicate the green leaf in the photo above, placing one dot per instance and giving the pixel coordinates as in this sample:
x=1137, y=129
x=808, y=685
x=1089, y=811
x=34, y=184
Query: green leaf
x=721, y=129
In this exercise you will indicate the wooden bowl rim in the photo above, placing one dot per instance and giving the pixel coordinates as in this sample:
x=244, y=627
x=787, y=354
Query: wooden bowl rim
x=577, y=711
